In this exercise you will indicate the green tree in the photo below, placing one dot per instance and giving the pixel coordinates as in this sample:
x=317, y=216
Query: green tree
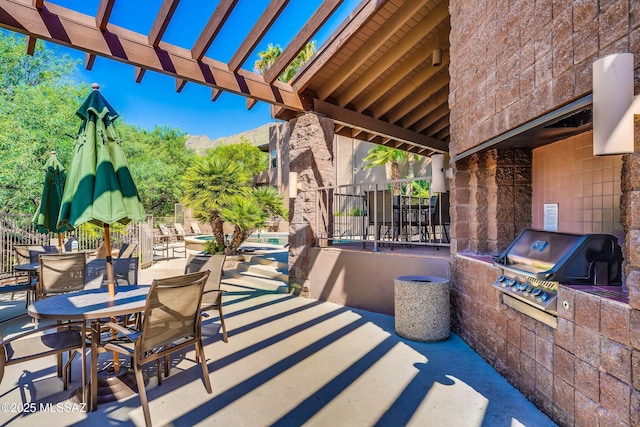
x=208, y=184
x=243, y=153
x=381, y=155
x=269, y=56
x=37, y=114
x=38, y=101
x=246, y=215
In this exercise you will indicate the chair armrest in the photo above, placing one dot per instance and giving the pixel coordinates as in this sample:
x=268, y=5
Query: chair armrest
x=130, y=334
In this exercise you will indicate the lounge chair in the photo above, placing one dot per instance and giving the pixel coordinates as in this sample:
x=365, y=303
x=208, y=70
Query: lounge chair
x=195, y=228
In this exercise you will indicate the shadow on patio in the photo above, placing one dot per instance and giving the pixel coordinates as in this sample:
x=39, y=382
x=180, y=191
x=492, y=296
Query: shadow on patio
x=292, y=361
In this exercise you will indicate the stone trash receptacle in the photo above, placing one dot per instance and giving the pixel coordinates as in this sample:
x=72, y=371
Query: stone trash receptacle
x=422, y=308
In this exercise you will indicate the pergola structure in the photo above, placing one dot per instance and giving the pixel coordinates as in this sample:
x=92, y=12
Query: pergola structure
x=381, y=77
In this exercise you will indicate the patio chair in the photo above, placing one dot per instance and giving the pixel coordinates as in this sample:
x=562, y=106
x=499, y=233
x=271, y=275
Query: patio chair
x=195, y=228
x=61, y=273
x=171, y=322
x=39, y=342
x=212, y=295
x=180, y=229
x=127, y=250
x=125, y=272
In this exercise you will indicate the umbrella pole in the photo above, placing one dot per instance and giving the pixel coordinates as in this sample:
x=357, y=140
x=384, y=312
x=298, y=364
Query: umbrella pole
x=112, y=289
x=60, y=242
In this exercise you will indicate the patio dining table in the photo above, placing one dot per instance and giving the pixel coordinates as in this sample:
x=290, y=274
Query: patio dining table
x=92, y=305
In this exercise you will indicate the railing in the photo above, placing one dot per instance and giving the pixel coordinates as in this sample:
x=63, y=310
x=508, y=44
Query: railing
x=17, y=229
x=383, y=213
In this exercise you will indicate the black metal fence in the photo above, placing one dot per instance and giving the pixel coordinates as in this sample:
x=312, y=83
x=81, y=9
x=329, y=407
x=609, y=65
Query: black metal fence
x=401, y=212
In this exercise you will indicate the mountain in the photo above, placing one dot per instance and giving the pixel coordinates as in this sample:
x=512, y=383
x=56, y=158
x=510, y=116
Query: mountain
x=258, y=136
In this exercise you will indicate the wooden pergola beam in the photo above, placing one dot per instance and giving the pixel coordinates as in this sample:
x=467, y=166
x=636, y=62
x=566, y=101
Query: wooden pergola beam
x=162, y=20
x=256, y=34
x=213, y=27
x=104, y=13
x=357, y=120
x=89, y=60
x=78, y=31
x=289, y=53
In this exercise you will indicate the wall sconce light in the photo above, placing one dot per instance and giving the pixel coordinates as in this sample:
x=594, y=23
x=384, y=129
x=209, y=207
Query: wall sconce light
x=293, y=185
x=436, y=57
x=438, y=184
x=614, y=104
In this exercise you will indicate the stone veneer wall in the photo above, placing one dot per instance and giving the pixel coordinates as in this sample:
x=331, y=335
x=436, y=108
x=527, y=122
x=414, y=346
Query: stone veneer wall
x=510, y=63
x=311, y=157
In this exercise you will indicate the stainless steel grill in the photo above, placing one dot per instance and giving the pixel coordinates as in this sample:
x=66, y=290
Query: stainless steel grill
x=537, y=261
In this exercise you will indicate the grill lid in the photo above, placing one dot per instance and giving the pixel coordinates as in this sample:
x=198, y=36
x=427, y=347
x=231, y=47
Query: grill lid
x=563, y=257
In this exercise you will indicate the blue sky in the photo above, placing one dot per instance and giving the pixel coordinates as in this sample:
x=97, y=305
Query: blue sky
x=154, y=101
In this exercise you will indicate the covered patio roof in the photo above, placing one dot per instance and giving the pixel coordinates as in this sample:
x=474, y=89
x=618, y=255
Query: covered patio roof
x=375, y=76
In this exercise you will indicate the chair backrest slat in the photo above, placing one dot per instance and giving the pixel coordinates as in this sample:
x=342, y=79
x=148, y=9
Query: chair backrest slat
x=125, y=272
x=172, y=310
x=128, y=250
x=213, y=263
x=60, y=273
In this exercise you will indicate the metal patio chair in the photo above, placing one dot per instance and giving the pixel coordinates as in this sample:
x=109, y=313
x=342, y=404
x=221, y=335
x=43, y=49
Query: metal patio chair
x=212, y=295
x=171, y=322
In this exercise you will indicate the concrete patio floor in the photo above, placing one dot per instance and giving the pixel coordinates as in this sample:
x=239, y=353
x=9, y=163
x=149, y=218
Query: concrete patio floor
x=290, y=361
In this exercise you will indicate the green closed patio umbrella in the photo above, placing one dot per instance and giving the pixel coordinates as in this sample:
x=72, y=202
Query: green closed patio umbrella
x=46, y=216
x=99, y=187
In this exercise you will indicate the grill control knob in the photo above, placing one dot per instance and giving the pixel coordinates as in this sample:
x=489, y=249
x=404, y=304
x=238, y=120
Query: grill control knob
x=529, y=288
x=512, y=282
x=544, y=296
x=536, y=292
x=502, y=281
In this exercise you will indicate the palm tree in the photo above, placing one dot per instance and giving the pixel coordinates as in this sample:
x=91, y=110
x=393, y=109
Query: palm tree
x=246, y=215
x=208, y=184
x=269, y=56
x=381, y=155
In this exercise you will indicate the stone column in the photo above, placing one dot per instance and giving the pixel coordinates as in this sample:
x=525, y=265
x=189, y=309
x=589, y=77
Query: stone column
x=492, y=194
x=630, y=220
x=311, y=145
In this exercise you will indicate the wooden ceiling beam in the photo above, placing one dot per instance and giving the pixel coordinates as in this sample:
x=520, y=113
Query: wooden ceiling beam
x=444, y=133
x=215, y=94
x=410, y=86
x=363, y=12
x=256, y=34
x=78, y=31
x=438, y=126
x=353, y=119
x=289, y=53
x=162, y=20
x=427, y=106
x=384, y=33
x=38, y=4
x=213, y=27
x=432, y=117
x=104, y=13
x=415, y=97
x=393, y=56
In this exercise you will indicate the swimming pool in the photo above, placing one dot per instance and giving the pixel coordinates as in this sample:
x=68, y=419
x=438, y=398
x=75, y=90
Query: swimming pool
x=196, y=243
